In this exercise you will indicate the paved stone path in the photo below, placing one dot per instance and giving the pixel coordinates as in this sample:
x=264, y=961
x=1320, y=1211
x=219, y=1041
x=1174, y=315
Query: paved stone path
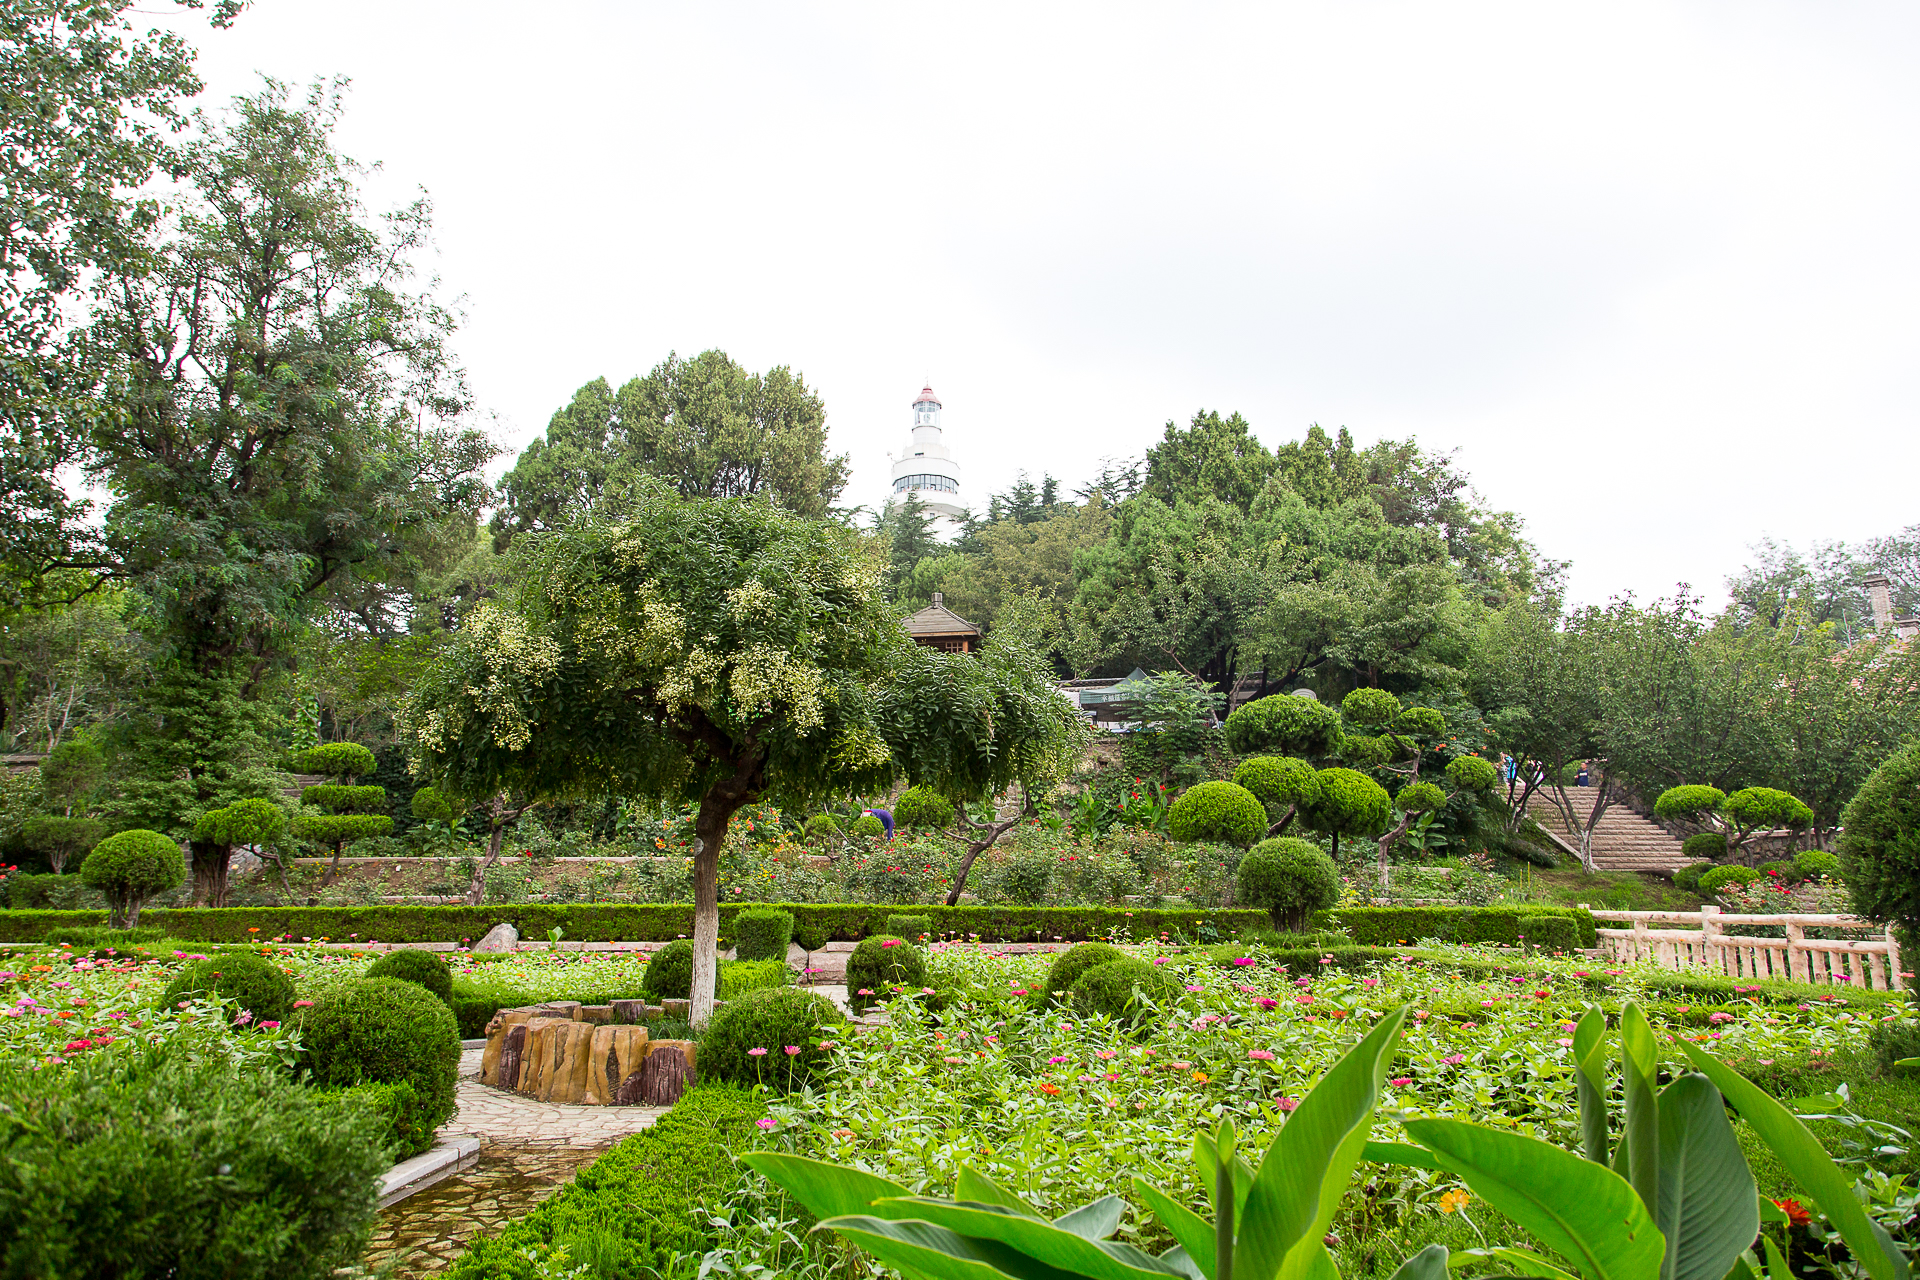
x=496, y=1116
x=423, y=1234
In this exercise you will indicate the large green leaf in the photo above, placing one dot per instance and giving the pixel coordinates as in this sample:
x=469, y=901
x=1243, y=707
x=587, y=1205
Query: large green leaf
x=972, y=1184
x=1043, y=1242
x=1583, y=1211
x=1399, y=1153
x=1590, y=1081
x=1526, y=1262
x=1806, y=1161
x=1428, y=1264
x=1305, y=1173
x=1206, y=1154
x=828, y=1190
x=1194, y=1232
x=1639, y=1154
x=922, y=1248
x=1094, y=1221
x=1709, y=1208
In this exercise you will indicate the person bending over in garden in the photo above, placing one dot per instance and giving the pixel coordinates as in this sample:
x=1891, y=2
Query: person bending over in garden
x=885, y=816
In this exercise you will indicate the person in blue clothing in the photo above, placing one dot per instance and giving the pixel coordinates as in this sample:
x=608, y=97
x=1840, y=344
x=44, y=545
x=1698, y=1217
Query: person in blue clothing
x=1581, y=780
x=885, y=816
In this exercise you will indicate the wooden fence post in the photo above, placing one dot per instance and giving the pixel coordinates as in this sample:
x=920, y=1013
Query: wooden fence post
x=1894, y=977
x=1710, y=938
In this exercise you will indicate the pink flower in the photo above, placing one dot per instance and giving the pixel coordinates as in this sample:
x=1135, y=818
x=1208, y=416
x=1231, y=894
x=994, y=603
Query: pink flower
x=1564, y=1043
x=303, y=1004
x=891, y=942
x=792, y=1049
x=1369, y=982
x=1159, y=959
x=864, y=991
x=1288, y=1104
x=1260, y=1055
x=1192, y=987
x=1266, y=1003
x=1303, y=999
x=1056, y=1059
x=1106, y=1053
x=1453, y=1059
x=951, y=1061
x=1243, y=960
x=1303, y=982
x=268, y=1026
x=767, y=1122
x=756, y=1053
x=1401, y=1082
x=1719, y=1017
x=829, y=1044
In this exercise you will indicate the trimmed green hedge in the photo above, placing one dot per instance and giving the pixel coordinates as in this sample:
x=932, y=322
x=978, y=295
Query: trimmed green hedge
x=1392, y=926
x=626, y=922
x=642, y=1202
x=474, y=1004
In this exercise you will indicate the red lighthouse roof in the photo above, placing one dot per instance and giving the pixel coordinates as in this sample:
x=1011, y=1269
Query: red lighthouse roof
x=926, y=394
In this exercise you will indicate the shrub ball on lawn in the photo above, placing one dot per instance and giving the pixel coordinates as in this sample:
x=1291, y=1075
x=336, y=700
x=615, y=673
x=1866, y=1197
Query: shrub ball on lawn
x=669, y=974
x=879, y=964
x=1223, y=811
x=1291, y=879
x=762, y=933
x=241, y=976
x=774, y=1019
x=1109, y=989
x=1076, y=960
x=922, y=807
x=422, y=967
x=386, y=1029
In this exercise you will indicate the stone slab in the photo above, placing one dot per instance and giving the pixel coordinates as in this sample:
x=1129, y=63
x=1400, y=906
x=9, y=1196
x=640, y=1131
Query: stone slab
x=447, y=1157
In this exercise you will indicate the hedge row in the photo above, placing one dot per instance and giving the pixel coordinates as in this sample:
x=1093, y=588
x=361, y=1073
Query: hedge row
x=628, y=922
x=1391, y=926
x=638, y=1205
x=474, y=1004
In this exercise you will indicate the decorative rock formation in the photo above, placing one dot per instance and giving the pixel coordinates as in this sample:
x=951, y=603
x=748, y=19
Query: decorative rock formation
x=565, y=1051
x=665, y=1074
x=502, y=937
x=616, y=1053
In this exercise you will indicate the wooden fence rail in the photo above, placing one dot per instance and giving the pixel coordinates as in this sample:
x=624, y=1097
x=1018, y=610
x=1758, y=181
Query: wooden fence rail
x=1869, y=965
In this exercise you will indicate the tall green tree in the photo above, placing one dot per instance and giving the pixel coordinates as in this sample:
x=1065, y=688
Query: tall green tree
x=90, y=107
x=1210, y=458
x=721, y=651
x=706, y=426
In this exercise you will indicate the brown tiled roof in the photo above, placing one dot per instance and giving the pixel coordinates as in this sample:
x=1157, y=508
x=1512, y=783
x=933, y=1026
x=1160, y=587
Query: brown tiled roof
x=938, y=620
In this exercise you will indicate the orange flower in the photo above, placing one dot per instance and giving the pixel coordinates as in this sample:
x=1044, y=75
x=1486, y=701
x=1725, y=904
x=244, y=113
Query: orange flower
x=1797, y=1215
x=1454, y=1200
x=1046, y=1087
x=1200, y=1077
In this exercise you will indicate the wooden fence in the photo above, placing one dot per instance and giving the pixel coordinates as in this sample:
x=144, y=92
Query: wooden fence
x=1872, y=964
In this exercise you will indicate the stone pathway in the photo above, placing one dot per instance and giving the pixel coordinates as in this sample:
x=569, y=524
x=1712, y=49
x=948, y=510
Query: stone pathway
x=496, y=1116
x=423, y=1234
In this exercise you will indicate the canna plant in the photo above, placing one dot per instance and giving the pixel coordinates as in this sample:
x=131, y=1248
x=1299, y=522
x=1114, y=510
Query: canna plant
x=1671, y=1200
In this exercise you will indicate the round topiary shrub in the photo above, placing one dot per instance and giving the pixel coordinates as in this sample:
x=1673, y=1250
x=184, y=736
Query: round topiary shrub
x=1370, y=708
x=1363, y=752
x=1222, y=811
x=1879, y=845
x=1688, y=877
x=1076, y=960
x=811, y=937
x=922, y=807
x=1471, y=773
x=867, y=826
x=760, y=933
x=881, y=964
x=909, y=927
x=385, y=1029
x=422, y=967
x=132, y=867
x=336, y=760
x=1816, y=864
x=822, y=826
x=1421, y=722
x=776, y=1020
x=1707, y=846
x=669, y=974
x=1350, y=804
x=1278, y=780
x=1712, y=882
x=1763, y=808
x=1283, y=724
x=240, y=976
x=431, y=805
x=1291, y=879
x=1688, y=803
x=1419, y=797
x=1116, y=987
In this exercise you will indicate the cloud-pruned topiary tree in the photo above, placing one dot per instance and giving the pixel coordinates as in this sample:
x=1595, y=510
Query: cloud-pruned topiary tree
x=132, y=867
x=1737, y=816
x=1399, y=740
x=1349, y=804
x=1290, y=879
x=256, y=823
x=345, y=812
x=1284, y=724
x=1222, y=811
x=1279, y=782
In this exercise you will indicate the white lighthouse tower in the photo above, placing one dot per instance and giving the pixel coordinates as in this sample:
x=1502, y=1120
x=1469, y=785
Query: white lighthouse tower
x=927, y=468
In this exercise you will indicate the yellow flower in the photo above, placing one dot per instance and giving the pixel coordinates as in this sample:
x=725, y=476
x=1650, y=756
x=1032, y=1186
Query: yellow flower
x=1200, y=1077
x=1454, y=1199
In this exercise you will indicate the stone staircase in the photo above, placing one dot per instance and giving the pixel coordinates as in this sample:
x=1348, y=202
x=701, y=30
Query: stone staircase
x=1623, y=841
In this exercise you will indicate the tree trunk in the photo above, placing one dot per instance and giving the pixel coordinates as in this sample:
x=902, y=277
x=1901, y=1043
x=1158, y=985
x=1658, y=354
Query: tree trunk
x=477, y=887
x=1387, y=842
x=994, y=832
x=1601, y=801
x=210, y=864
x=333, y=868
x=710, y=832
x=1286, y=820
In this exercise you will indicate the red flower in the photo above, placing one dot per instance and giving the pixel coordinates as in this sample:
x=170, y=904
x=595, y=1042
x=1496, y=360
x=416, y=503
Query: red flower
x=1797, y=1216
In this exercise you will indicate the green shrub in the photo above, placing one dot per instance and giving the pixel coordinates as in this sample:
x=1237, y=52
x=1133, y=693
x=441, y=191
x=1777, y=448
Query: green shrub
x=1816, y=864
x=1892, y=1041
x=1421, y=722
x=1550, y=933
x=256, y=985
x=1471, y=773
x=648, y=1199
x=430, y=804
x=345, y=799
x=880, y=964
x=1370, y=708
x=1690, y=803
x=1387, y=926
x=1291, y=879
x=1705, y=846
x=1782, y=870
x=760, y=933
x=132, y=867
x=912, y=928
x=1880, y=844
x=669, y=974
x=384, y=1029
x=1764, y=808
x=1111, y=988
x=61, y=841
x=27, y=892
x=1217, y=811
x=1419, y=797
x=138, y=1166
x=822, y=825
x=406, y=1119
x=1350, y=804
x=867, y=826
x=811, y=937
x=923, y=807
x=1284, y=725
x=1688, y=877
x=1712, y=882
x=1278, y=780
x=422, y=967
x=336, y=760
x=774, y=1020
x=1073, y=962
x=1364, y=752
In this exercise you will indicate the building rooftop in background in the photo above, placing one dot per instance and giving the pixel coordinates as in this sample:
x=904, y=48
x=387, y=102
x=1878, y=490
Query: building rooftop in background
x=939, y=627
x=926, y=468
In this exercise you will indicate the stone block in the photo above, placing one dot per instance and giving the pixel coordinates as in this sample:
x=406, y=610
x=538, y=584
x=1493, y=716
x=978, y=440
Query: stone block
x=629, y=1011
x=665, y=1074
x=617, y=1052
x=536, y=1062
x=572, y=1060
x=511, y=1057
x=678, y=1010
x=599, y=1014
x=496, y=1035
x=558, y=1009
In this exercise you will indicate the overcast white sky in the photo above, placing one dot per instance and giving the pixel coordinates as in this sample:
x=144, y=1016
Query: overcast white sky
x=1651, y=269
